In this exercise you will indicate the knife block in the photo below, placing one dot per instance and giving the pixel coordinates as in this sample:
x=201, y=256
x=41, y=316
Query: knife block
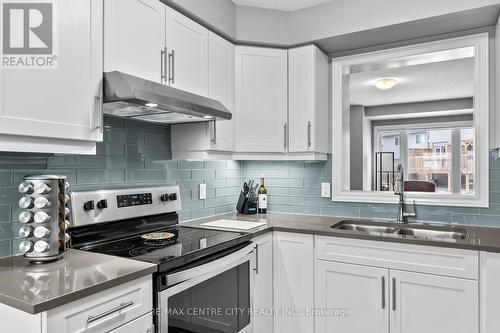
x=245, y=206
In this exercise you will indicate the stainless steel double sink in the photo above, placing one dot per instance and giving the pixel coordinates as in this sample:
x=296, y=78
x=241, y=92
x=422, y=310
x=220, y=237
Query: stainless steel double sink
x=404, y=230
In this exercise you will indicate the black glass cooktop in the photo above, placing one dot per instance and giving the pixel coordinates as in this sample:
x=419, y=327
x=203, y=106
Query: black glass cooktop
x=187, y=245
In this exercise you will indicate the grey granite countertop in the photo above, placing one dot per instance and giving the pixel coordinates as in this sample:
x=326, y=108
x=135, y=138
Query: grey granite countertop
x=35, y=288
x=479, y=238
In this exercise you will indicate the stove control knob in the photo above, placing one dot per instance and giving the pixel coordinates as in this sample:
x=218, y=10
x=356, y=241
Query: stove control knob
x=89, y=205
x=41, y=246
x=25, y=246
x=102, y=204
x=172, y=196
x=164, y=197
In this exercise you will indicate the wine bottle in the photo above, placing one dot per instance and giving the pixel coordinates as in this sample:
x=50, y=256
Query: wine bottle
x=262, y=197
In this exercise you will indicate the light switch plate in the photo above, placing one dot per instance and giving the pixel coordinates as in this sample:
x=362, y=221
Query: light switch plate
x=325, y=190
x=203, y=191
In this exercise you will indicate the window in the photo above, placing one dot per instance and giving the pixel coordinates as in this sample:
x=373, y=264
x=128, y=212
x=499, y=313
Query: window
x=431, y=155
x=419, y=138
x=467, y=162
x=439, y=150
x=428, y=161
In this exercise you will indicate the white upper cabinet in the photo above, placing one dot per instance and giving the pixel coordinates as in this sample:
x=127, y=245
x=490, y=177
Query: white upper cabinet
x=187, y=53
x=58, y=109
x=134, y=36
x=202, y=140
x=308, y=100
x=221, y=88
x=261, y=100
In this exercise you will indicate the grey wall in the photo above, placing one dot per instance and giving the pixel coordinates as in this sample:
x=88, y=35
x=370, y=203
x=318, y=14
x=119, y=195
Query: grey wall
x=419, y=107
x=342, y=17
x=356, y=122
x=258, y=25
x=341, y=25
x=218, y=15
x=424, y=120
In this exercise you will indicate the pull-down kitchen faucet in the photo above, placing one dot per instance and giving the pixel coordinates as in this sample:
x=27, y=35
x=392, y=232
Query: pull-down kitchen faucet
x=405, y=211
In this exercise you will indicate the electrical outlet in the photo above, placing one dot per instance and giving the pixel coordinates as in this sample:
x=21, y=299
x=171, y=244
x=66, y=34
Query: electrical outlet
x=203, y=191
x=325, y=190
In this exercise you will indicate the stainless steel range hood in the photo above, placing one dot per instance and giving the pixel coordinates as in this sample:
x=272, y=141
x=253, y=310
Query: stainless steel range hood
x=129, y=96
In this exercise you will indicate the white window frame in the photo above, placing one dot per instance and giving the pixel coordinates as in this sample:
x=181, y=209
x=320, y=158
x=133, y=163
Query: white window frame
x=340, y=124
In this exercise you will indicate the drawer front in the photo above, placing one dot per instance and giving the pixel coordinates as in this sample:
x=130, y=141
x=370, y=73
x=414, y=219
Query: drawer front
x=103, y=311
x=142, y=324
x=416, y=258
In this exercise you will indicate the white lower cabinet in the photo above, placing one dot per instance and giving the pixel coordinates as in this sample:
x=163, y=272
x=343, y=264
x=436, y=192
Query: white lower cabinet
x=314, y=293
x=263, y=295
x=386, y=298
x=430, y=303
x=490, y=292
x=351, y=298
x=126, y=308
x=293, y=282
x=139, y=325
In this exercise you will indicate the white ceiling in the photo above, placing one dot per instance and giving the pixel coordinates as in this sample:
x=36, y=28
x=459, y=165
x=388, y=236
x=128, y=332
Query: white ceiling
x=283, y=5
x=428, y=82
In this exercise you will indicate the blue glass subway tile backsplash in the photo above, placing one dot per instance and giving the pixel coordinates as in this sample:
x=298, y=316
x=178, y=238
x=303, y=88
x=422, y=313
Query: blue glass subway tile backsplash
x=136, y=153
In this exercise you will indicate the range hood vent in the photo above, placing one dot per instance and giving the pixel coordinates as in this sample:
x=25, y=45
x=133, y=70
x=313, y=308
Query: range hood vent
x=129, y=96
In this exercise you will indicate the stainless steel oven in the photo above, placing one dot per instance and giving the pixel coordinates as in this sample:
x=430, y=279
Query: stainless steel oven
x=211, y=296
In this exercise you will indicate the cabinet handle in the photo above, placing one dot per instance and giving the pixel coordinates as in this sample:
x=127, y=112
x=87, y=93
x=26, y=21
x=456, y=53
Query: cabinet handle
x=393, y=294
x=163, y=61
x=171, y=68
x=309, y=134
x=256, y=269
x=214, y=137
x=122, y=306
x=100, y=120
x=383, y=292
x=284, y=137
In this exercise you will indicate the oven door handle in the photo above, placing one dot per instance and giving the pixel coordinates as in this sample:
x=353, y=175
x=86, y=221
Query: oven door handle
x=208, y=268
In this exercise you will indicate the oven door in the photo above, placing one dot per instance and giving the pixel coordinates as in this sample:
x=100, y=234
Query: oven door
x=216, y=297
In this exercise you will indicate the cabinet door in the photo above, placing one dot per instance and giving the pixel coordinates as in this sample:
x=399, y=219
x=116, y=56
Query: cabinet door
x=187, y=47
x=359, y=293
x=261, y=99
x=142, y=324
x=221, y=88
x=431, y=303
x=301, y=98
x=62, y=102
x=293, y=282
x=134, y=37
x=263, y=287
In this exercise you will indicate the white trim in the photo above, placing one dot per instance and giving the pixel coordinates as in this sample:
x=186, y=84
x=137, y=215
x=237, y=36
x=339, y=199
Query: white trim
x=340, y=123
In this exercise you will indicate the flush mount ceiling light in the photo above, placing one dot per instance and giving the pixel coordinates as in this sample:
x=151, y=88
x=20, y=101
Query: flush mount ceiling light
x=385, y=83
x=207, y=117
x=151, y=105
